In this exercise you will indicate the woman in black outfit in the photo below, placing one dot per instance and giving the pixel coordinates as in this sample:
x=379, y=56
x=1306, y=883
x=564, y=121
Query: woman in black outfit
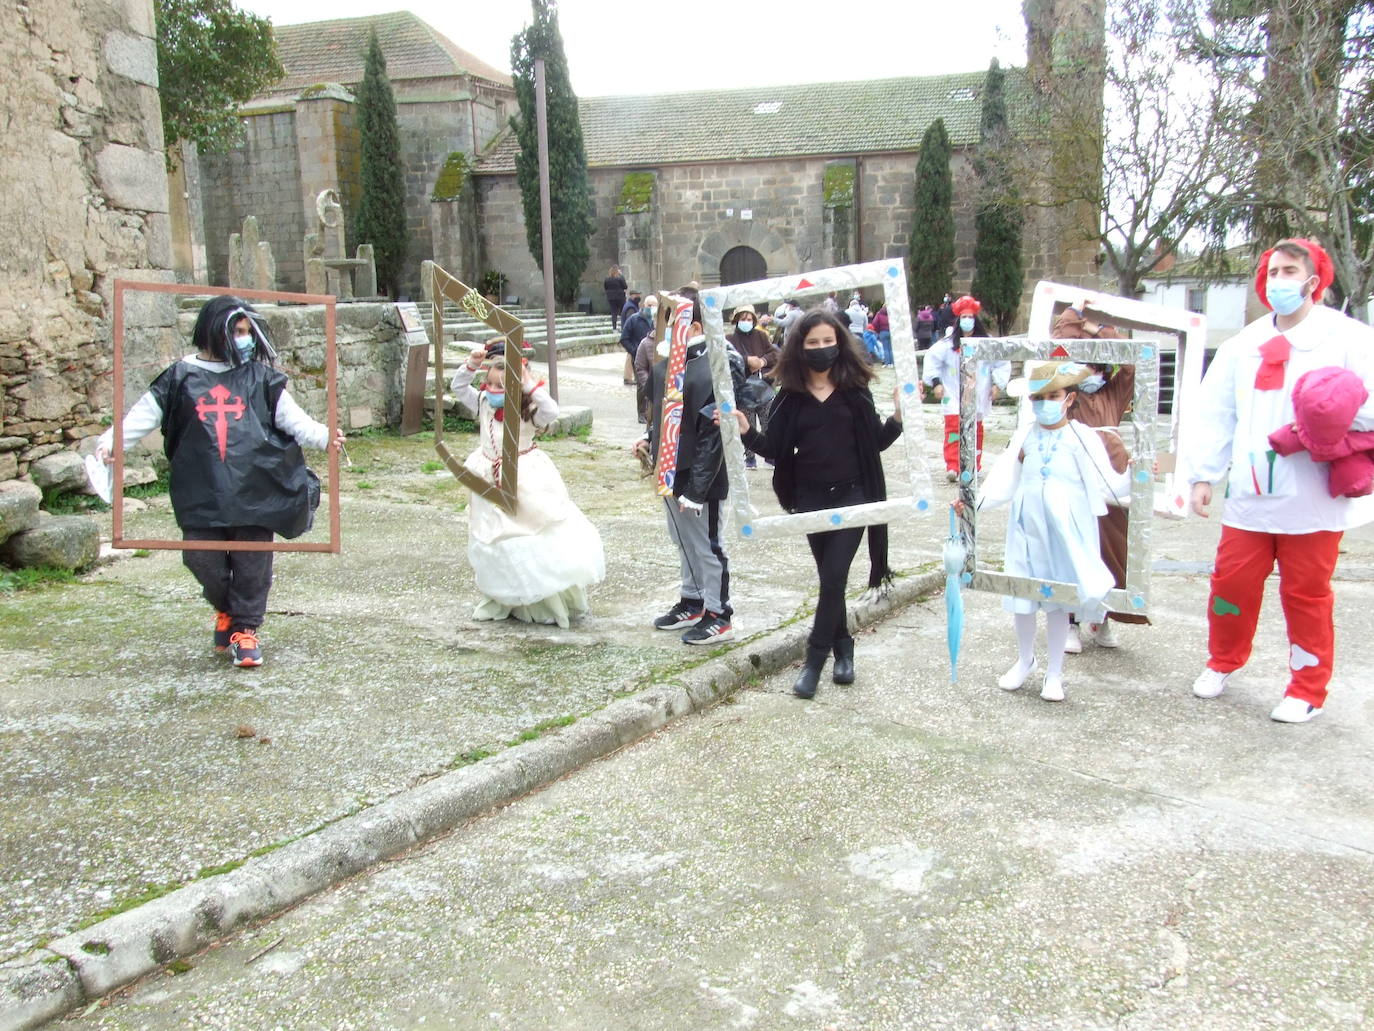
x=824, y=437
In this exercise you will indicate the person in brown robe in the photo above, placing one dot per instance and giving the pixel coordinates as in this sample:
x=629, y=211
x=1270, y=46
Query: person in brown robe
x=1104, y=409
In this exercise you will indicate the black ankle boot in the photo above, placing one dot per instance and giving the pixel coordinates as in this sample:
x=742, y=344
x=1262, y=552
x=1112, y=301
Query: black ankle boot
x=805, y=687
x=843, y=670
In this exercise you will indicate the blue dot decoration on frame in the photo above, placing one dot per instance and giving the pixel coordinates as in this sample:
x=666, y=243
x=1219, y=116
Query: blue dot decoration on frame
x=1046, y=590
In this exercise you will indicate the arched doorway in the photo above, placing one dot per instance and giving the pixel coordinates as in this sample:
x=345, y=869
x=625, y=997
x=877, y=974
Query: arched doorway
x=742, y=265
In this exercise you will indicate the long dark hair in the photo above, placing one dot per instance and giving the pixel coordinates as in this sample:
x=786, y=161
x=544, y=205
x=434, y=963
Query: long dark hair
x=214, y=331
x=979, y=330
x=850, y=369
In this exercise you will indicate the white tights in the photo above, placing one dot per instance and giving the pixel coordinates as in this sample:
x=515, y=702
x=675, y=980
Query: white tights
x=1056, y=633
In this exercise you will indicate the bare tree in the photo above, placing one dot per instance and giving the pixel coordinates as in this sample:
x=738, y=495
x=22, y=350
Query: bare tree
x=1305, y=69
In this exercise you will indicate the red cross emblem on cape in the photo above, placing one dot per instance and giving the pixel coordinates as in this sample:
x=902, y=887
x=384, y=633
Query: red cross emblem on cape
x=221, y=409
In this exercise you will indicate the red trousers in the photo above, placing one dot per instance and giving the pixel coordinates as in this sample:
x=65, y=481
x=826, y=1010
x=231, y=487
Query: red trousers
x=1306, y=561
x=952, y=443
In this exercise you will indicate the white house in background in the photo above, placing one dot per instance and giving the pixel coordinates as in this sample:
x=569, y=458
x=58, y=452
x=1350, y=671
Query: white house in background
x=1229, y=302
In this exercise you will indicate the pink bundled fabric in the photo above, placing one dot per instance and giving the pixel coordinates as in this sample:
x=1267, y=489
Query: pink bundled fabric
x=1325, y=402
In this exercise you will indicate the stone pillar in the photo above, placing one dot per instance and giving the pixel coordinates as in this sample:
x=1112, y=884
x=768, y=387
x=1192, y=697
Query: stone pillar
x=840, y=233
x=327, y=142
x=639, y=230
x=187, y=215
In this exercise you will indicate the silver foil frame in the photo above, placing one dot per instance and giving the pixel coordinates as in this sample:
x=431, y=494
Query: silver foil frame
x=1135, y=596
x=890, y=275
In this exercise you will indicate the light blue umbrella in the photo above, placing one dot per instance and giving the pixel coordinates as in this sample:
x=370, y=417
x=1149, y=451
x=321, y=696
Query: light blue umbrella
x=955, y=554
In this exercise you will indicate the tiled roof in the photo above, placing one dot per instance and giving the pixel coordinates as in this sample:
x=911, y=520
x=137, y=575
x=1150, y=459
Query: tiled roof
x=333, y=51
x=870, y=116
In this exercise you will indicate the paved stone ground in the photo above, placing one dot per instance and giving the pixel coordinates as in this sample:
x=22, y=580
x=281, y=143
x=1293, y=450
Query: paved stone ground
x=905, y=852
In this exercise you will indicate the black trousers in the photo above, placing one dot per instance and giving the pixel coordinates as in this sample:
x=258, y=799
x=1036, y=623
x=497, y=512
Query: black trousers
x=235, y=582
x=834, y=552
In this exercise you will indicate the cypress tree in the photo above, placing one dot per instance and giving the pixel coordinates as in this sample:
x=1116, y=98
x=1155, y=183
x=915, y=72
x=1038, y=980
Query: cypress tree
x=997, y=260
x=569, y=196
x=932, y=221
x=381, y=218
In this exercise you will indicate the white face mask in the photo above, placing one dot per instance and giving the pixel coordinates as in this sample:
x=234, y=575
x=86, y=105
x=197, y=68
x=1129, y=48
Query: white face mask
x=244, y=343
x=1093, y=383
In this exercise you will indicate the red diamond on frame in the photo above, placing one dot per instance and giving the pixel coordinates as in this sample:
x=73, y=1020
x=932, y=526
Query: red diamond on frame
x=1059, y=352
x=804, y=283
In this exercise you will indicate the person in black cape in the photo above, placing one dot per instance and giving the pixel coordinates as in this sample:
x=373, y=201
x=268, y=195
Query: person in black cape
x=824, y=437
x=232, y=435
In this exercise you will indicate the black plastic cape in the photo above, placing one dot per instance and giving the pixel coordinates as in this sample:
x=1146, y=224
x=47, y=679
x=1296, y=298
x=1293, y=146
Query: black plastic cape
x=230, y=463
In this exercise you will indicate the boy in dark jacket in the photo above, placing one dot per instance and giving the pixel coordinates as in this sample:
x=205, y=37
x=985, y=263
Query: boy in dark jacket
x=699, y=486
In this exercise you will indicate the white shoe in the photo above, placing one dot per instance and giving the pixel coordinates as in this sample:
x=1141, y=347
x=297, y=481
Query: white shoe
x=1210, y=683
x=1073, y=643
x=1103, y=634
x=951, y=476
x=1016, y=676
x=1053, y=691
x=1294, y=710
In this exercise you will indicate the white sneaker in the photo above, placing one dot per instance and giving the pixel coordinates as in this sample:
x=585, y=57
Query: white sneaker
x=1210, y=683
x=1016, y=676
x=1294, y=710
x=1073, y=643
x=1103, y=634
x=951, y=476
x=1053, y=691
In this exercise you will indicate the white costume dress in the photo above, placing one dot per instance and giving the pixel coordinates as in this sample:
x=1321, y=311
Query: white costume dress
x=1056, y=494
x=941, y=361
x=537, y=563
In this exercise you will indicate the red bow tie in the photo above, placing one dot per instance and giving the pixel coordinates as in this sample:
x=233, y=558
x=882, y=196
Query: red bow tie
x=1273, y=363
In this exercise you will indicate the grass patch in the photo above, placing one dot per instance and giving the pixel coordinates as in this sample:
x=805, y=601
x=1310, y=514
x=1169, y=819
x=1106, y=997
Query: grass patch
x=34, y=578
x=472, y=755
x=364, y=485
x=180, y=966
x=431, y=465
x=72, y=504
x=96, y=948
x=155, y=489
x=148, y=894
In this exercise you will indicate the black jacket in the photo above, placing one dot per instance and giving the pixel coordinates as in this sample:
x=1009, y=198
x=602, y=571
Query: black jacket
x=700, y=473
x=872, y=436
x=615, y=292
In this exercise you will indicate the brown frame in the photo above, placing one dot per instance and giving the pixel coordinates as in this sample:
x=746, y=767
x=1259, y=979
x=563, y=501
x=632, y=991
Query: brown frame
x=503, y=492
x=332, y=403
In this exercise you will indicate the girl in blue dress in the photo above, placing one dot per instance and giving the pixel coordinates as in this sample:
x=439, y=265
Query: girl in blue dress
x=1058, y=479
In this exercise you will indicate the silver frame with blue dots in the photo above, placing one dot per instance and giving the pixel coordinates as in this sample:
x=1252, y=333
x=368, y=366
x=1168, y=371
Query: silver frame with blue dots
x=891, y=276
x=1135, y=596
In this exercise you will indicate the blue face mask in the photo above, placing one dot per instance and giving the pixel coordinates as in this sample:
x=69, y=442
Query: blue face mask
x=244, y=345
x=1093, y=383
x=1285, y=295
x=497, y=399
x=1047, y=413
x=966, y=324
x=745, y=327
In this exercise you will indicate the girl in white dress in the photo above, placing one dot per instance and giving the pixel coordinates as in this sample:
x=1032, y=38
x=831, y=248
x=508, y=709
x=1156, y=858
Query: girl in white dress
x=537, y=563
x=1058, y=479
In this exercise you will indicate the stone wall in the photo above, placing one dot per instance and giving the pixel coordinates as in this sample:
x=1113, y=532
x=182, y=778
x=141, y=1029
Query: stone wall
x=371, y=347
x=85, y=186
x=779, y=208
x=262, y=178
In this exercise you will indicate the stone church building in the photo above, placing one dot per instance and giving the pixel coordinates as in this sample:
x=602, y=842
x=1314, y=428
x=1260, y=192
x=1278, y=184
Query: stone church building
x=713, y=185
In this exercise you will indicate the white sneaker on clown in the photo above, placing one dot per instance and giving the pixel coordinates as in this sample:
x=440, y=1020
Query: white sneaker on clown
x=1294, y=710
x=1073, y=643
x=1210, y=683
x=1103, y=634
x=1013, y=678
x=1053, y=689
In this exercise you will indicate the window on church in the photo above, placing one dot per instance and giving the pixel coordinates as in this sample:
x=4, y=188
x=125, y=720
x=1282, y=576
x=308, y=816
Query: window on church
x=1197, y=299
x=962, y=93
x=768, y=107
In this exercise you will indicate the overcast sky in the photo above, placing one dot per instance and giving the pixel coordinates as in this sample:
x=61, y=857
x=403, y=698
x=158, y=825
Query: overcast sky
x=732, y=43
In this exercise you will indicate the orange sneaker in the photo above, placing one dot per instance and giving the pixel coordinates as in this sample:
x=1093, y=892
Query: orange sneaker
x=222, y=626
x=244, y=648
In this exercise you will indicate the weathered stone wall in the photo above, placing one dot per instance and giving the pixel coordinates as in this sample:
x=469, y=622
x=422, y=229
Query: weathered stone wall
x=262, y=178
x=85, y=187
x=371, y=346
x=698, y=213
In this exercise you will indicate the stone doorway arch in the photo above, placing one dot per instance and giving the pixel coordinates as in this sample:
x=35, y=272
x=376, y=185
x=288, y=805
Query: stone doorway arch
x=779, y=259
x=742, y=264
